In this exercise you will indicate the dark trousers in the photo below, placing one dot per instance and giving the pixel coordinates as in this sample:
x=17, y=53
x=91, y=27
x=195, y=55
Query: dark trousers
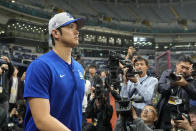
x=165, y=118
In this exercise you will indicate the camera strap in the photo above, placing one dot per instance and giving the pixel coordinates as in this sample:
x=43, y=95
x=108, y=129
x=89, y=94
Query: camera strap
x=144, y=80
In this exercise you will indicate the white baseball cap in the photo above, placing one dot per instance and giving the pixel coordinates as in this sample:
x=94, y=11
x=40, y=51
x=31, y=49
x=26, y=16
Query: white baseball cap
x=63, y=19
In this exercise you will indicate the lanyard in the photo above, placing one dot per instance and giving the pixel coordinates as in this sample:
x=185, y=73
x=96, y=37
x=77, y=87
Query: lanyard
x=144, y=80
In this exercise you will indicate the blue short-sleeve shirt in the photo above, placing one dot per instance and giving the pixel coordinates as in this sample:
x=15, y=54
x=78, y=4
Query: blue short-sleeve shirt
x=50, y=77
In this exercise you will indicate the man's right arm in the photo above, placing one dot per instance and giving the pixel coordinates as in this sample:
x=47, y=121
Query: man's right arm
x=164, y=84
x=40, y=109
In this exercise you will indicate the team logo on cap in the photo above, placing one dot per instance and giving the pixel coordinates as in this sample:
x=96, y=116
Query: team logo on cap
x=54, y=24
x=69, y=15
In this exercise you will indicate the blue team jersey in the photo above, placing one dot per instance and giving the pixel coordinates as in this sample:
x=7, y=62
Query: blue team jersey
x=50, y=77
x=193, y=102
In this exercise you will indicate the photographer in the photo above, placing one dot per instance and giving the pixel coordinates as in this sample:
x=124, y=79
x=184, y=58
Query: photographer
x=145, y=123
x=176, y=88
x=6, y=71
x=16, y=117
x=139, y=84
x=185, y=124
x=100, y=111
x=93, y=77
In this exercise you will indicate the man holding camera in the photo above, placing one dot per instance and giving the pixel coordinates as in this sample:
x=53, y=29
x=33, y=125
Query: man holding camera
x=100, y=111
x=185, y=123
x=6, y=71
x=176, y=88
x=139, y=84
x=146, y=122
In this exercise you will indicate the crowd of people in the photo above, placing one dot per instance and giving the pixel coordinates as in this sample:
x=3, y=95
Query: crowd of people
x=57, y=94
x=174, y=110
x=12, y=104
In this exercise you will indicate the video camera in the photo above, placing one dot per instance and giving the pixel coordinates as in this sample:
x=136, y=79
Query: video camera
x=124, y=105
x=114, y=70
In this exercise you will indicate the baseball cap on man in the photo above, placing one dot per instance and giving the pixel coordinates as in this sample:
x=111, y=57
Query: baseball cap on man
x=63, y=19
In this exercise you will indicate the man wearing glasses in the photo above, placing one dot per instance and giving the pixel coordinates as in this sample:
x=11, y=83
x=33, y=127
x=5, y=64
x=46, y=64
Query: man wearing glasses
x=148, y=118
x=176, y=87
x=146, y=121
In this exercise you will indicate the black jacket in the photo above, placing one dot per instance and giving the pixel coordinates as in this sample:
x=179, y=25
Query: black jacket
x=185, y=93
x=102, y=116
x=6, y=76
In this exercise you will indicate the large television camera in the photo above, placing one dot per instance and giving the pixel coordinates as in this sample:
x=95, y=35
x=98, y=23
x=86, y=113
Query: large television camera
x=123, y=106
x=115, y=70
